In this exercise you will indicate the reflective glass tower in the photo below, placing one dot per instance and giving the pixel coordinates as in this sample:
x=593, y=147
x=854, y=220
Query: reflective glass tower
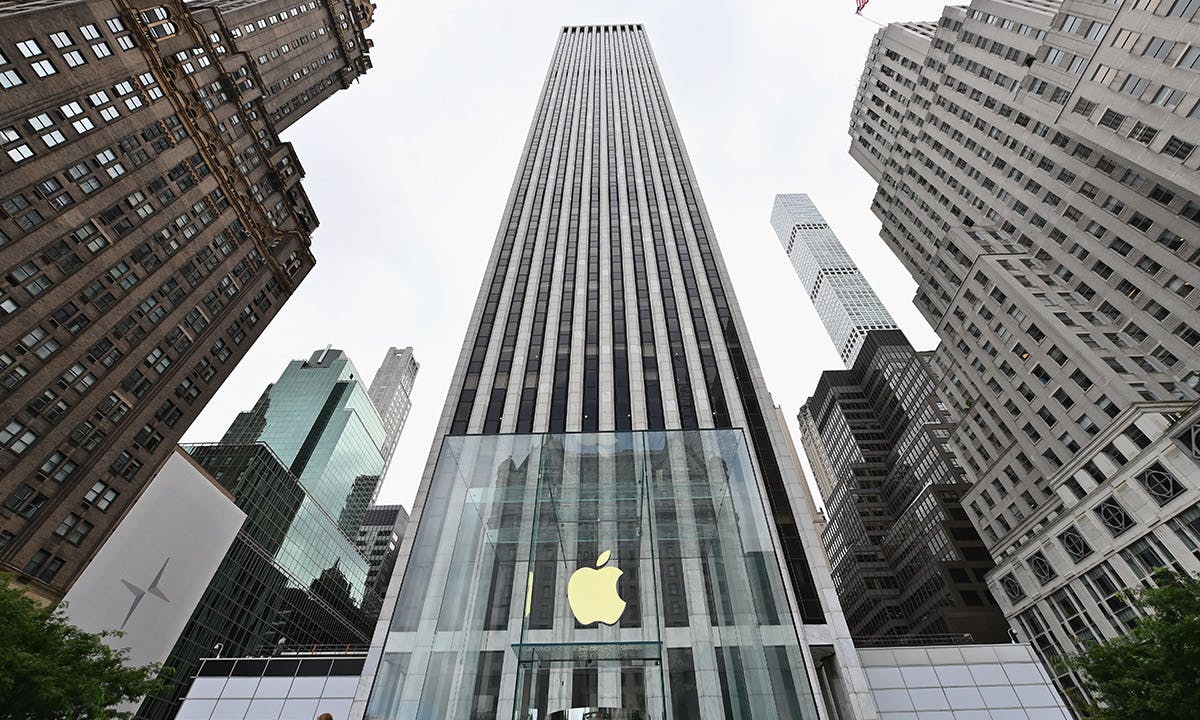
x=844, y=300
x=320, y=422
x=302, y=464
x=612, y=515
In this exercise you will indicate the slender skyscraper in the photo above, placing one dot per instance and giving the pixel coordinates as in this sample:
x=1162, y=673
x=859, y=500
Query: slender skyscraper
x=391, y=393
x=612, y=514
x=844, y=300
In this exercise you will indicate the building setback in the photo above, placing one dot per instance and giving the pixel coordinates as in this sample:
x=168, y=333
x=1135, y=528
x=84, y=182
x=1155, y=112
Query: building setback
x=391, y=393
x=152, y=223
x=607, y=410
x=379, y=540
x=1038, y=178
x=844, y=300
x=906, y=560
x=293, y=577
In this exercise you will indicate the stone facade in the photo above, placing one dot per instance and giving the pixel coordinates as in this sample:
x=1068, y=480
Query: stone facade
x=605, y=315
x=152, y=223
x=1037, y=176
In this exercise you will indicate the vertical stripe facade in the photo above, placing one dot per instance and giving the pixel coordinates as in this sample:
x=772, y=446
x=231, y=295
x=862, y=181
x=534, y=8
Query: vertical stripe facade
x=605, y=305
x=606, y=310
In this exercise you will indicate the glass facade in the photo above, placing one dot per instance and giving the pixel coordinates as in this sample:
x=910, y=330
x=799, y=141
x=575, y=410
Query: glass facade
x=320, y=422
x=630, y=570
x=299, y=687
x=290, y=578
x=302, y=464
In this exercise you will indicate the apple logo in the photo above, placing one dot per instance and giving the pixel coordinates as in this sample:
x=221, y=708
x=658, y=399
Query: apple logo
x=592, y=593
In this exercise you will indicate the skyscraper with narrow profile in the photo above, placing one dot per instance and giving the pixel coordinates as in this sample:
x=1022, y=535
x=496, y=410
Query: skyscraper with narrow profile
x=391, y=393
x=845, y=301
x=612, y=515
x=152, y=223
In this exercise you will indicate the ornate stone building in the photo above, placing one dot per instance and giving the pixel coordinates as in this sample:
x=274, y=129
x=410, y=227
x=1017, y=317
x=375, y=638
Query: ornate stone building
x=152, y=222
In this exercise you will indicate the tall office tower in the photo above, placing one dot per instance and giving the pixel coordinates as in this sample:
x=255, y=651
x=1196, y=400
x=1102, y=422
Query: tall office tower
x=845, y=301
x=293, y=576
x=391, y=392
x=907, y=563
x=1041, y=186
x=612, y=515
x=906, y=560
x=379, y=540
x=152, y=223
x=320, y=422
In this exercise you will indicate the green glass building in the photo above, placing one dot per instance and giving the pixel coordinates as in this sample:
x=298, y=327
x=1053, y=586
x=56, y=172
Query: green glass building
x=302, y=464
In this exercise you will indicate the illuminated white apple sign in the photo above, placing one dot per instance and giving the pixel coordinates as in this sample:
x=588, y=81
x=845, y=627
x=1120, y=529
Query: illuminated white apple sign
x=592, y=593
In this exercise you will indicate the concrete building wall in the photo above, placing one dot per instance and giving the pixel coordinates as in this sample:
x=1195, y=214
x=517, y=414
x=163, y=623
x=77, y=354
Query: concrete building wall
x=1042, y=190
x=606, y=307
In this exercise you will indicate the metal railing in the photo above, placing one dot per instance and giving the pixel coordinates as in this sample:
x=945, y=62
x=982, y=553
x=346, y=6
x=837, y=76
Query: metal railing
x=875, y=641
x=268, y=650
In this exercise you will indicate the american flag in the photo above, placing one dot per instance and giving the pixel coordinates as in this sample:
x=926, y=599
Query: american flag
x=861, y=4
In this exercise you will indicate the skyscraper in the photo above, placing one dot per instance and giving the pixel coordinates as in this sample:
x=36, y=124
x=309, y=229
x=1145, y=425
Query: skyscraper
x=1037, y=176
x=612, y=514
x=152, y=225
x=845, y=301
x=319, y=421
x=905, y=558
x=907, y=562
x=293, y=577
x=379, y=541
x=391, y=393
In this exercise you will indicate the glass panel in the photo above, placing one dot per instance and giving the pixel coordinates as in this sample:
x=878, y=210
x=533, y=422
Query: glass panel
x=632, y=571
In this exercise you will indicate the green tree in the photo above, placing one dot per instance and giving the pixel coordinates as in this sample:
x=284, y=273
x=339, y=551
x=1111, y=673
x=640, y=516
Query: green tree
x=52, y=670
x=1153, y=672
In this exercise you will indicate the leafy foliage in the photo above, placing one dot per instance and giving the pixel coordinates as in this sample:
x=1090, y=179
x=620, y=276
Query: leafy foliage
x=1154, y=670
x=52, y=670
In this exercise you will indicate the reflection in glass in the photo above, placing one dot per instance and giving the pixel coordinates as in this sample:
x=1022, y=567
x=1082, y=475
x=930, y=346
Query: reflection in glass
x=673, y=521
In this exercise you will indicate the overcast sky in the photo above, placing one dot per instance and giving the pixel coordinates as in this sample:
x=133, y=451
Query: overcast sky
x=410, y=168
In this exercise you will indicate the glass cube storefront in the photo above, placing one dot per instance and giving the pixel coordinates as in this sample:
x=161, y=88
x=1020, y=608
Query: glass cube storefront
x=634, y=572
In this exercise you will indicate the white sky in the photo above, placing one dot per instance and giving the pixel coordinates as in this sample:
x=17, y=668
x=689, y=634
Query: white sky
x=410, y=168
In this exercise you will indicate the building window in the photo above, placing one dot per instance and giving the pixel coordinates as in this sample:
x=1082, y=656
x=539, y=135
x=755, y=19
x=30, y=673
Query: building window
x=17, y=438
x=1160, y=484
x=25, y=501
x=1178, y=149
x=100, y=496
x=43, y=68
x=43, y=565
x=73, y=529
x=1041, y=567
x=1189, y=440
x=1012, y=588
x=57, y=467
x=29, y=48
x=1074, y=543
x=1114, y=517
